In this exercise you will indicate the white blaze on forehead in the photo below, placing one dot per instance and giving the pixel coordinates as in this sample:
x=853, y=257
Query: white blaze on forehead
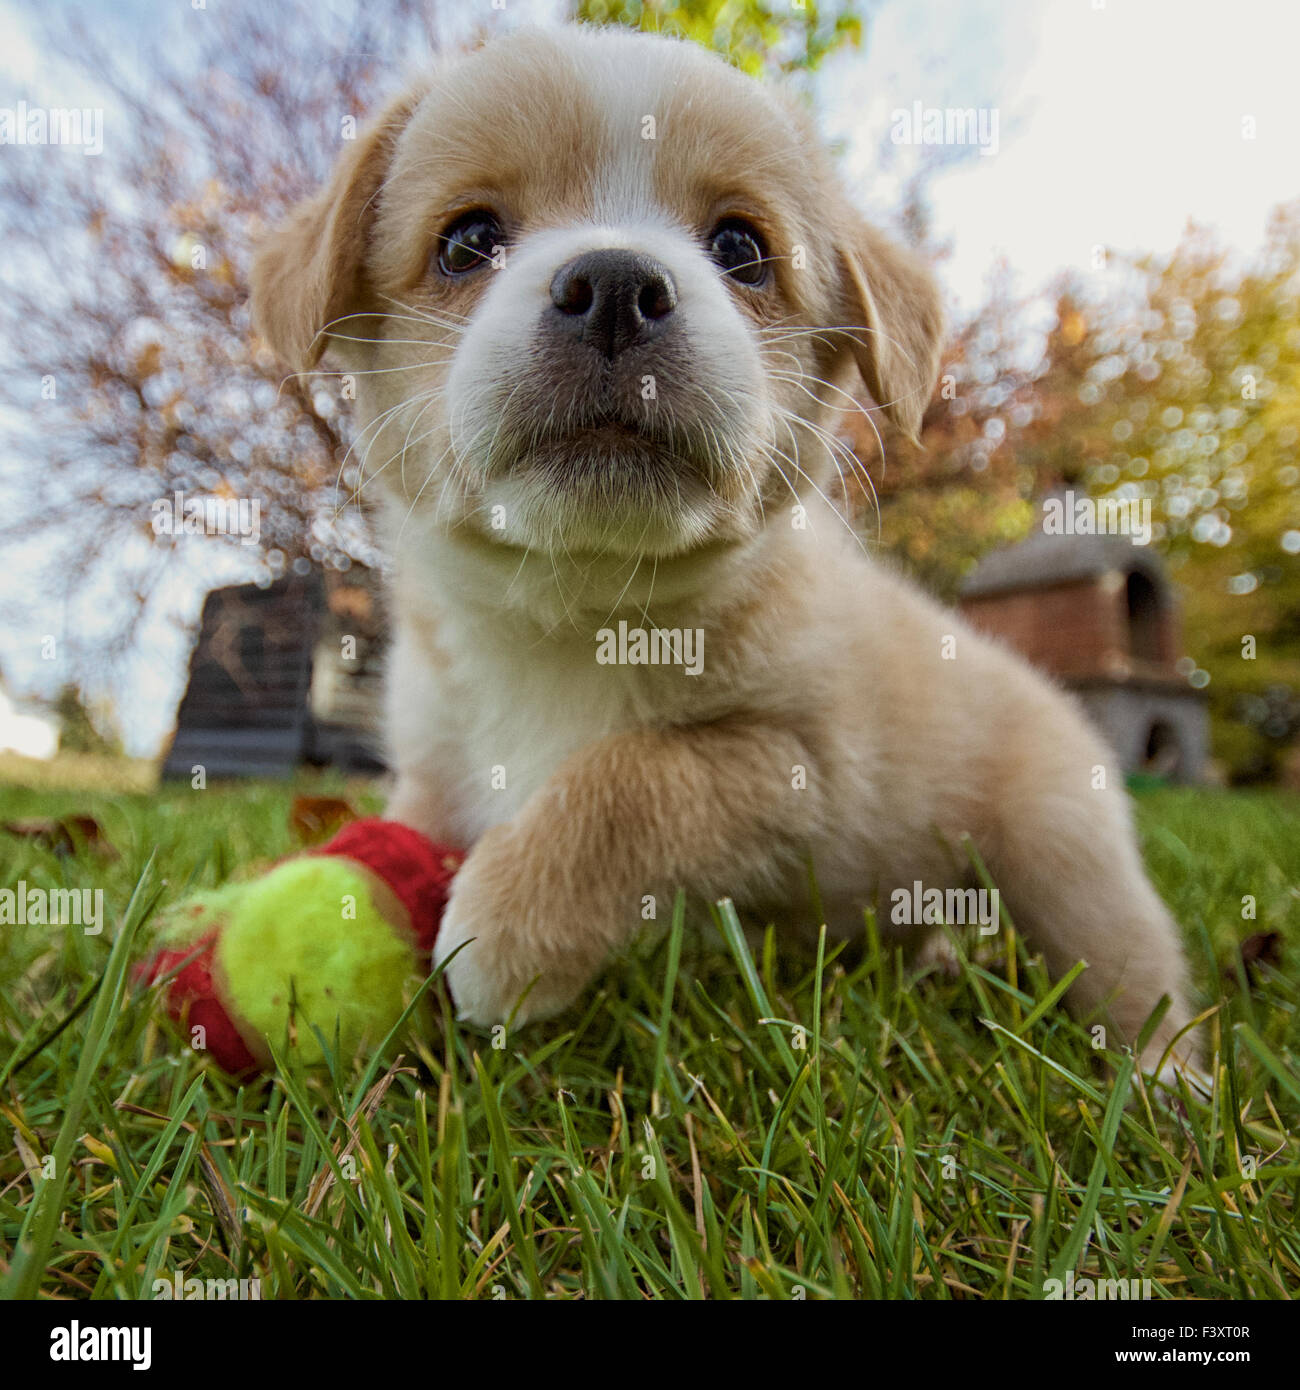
x=629, y=79
x=630, y=101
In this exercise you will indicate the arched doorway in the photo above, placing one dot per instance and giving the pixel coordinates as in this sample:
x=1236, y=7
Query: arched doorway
x=1163, y=756
x=1145, y=616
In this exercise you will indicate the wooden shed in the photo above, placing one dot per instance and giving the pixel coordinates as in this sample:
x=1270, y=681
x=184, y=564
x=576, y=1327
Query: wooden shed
x=284, y=674
x=1098, y=613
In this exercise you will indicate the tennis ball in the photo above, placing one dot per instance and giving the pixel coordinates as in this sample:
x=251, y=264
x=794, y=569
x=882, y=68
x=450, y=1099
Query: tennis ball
x=309, y=935
x=331, y=944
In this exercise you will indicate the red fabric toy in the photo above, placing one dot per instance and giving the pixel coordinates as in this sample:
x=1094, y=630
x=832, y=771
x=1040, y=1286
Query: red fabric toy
x=337, y=937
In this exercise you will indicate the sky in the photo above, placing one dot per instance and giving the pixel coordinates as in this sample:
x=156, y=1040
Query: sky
x=1118, y=121
x=1105, y=123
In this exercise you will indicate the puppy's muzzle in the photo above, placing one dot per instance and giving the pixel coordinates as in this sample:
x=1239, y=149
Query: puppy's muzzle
x=612, y=300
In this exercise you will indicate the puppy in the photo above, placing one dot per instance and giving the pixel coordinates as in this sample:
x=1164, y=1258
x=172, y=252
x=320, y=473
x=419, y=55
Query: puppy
x=603, y=300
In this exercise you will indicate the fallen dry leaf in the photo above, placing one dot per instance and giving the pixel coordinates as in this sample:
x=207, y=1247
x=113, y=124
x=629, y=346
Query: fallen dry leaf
x=315, y=818
x=64, y=836
x=1264, y=948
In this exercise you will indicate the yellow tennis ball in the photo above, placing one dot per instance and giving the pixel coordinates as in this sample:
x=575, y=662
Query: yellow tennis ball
x=309, y=937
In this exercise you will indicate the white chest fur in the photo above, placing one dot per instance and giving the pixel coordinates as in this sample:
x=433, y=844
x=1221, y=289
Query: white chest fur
x=483, y=706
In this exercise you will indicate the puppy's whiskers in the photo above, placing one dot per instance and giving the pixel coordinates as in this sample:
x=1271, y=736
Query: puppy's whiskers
x=839, y=447
x=379, y=424
x=789, y=420
x=392, y=414
x=853, y=329
x=446, y=319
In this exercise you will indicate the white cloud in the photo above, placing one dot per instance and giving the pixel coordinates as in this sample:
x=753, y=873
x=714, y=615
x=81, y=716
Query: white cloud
x=1118, y=123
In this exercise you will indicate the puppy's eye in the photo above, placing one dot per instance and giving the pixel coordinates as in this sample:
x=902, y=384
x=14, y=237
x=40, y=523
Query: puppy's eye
x=739, y=252
x=468, y=243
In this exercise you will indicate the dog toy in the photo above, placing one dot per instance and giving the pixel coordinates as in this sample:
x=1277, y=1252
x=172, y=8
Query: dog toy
x=336, y=937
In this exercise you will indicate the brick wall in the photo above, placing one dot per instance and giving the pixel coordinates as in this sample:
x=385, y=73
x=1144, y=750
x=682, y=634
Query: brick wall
x=1069, y=630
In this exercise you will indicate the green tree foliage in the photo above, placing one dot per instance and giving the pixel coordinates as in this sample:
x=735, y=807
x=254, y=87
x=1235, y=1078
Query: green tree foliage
x=1176, y=383
x=784, y=36
x=78, y=731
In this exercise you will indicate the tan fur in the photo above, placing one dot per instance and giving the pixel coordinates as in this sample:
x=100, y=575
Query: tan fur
x=310, y=272
x=892, y=293
x=828, y=720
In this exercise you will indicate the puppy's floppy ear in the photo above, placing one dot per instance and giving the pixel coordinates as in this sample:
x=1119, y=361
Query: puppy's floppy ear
x=309, y=271
x=891, y=293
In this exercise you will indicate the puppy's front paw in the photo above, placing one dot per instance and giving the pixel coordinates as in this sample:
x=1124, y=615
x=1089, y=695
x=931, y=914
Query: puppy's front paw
x=1182, y=1063
x=488, y=975
x=513, y=944
x=1199, y=1082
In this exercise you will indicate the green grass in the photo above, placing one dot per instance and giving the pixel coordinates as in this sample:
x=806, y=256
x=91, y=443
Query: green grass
x=706, y=1123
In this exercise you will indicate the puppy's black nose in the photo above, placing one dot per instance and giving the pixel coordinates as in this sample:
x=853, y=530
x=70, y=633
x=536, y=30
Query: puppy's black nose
x=613, y=299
